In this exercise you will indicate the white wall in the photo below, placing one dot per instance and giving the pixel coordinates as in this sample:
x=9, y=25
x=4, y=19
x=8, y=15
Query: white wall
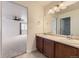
x=12, y=42
x=74, y=15
x=35, y=25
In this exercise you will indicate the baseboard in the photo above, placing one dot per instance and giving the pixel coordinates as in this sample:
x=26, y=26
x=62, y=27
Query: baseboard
x=29, y=51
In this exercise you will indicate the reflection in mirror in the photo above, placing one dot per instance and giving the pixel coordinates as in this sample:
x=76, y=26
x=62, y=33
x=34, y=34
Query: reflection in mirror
x=54, y=25
x=65, y=26
x=66, y=22
x=23, y=28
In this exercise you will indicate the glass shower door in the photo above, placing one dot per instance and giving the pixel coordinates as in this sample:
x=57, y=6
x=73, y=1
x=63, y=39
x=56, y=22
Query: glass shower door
x=13, y=43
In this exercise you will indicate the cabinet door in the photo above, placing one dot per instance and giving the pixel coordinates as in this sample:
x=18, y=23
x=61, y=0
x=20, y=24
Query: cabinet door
x=78, y=53
x=59, y=50
x=70, y=51
x=39, y=44
x=64, y=51
x=48, y=48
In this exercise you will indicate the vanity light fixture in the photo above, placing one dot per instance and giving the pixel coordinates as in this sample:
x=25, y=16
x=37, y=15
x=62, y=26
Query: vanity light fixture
x=60, y=7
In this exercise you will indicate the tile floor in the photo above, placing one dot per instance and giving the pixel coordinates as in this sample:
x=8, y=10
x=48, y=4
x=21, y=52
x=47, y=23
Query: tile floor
x=34, y=54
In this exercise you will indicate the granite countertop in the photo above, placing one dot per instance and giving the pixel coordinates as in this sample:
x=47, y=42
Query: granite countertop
x=60, y=39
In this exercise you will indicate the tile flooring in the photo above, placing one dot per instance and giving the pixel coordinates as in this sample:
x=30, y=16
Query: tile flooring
x=34, y=54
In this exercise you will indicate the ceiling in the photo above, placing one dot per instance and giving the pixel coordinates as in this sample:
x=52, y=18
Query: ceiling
x=71, y=7
x=47, y=3
x=29, y=3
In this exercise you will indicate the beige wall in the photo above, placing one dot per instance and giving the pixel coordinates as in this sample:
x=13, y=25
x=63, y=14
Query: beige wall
x=35, y=25
x=47, y=20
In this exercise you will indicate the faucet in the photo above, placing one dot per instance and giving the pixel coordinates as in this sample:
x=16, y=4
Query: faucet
x=69, y=36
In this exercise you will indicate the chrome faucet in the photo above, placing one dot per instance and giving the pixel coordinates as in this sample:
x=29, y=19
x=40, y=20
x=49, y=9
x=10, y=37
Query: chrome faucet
x=69, y=36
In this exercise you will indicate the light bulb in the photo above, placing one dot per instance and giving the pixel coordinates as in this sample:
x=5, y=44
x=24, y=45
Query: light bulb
x=55, y=8
x=62, y=6
x=58, y=10
x=51, y=11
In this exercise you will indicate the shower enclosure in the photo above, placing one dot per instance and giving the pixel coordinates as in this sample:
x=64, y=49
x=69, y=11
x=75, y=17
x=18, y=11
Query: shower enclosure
x=12, y=41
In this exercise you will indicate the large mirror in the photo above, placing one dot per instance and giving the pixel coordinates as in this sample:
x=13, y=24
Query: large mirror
x=66, y=22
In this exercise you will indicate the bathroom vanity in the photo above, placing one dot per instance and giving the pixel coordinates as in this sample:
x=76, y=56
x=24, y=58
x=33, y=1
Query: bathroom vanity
x=54, y=46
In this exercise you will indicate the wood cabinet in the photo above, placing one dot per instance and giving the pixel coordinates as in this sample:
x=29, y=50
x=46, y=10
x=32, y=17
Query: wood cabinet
x=58, y=50
x=78, y=53
x=48, y=48
x=39, y=44
x=64, y=51
x=53, y=49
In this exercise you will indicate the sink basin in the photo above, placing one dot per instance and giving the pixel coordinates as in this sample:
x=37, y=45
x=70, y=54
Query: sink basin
x=64, y=38
x=73, y=41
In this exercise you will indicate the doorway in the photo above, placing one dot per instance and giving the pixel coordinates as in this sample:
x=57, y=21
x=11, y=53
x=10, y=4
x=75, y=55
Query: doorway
x=65, y=26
